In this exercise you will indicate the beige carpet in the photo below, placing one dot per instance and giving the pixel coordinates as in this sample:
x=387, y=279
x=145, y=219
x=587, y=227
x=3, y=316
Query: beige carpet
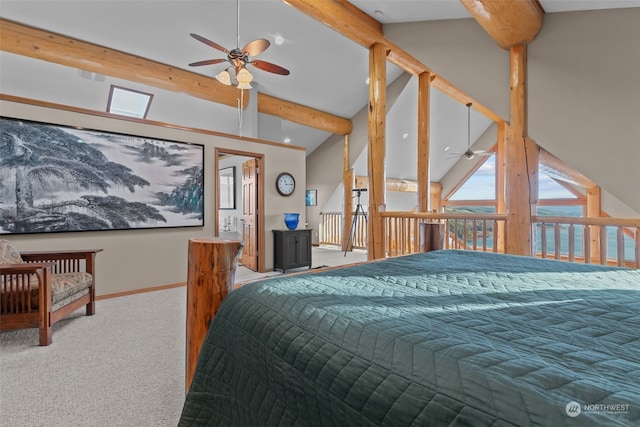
x=122, y=367
x=125, y=366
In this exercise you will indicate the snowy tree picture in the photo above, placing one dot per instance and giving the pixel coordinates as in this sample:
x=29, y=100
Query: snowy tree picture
x=55, y=178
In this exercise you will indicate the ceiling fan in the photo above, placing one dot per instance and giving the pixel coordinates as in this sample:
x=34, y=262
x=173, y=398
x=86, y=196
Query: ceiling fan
x=239, y=59
x=470, y=154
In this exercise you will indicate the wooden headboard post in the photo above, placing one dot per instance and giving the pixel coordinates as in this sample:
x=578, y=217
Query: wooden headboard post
x=210, y=277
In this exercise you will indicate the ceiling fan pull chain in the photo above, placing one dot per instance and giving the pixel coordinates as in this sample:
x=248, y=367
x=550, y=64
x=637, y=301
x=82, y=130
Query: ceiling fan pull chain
x=240, y=105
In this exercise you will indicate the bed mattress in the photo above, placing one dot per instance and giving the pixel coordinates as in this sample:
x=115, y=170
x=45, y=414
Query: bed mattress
x=445, y=338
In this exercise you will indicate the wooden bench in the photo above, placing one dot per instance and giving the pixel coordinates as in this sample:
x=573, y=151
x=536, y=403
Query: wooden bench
x=38, y=288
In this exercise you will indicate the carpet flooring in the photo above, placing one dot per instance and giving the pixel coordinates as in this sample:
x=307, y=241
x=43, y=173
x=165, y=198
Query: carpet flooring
x=123, y=367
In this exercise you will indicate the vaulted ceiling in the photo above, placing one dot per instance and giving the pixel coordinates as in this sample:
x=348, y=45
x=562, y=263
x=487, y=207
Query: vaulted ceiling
x=328, y=70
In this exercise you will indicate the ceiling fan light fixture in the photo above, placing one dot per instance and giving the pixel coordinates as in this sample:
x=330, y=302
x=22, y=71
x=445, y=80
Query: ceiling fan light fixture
x=244, y=76
x=244, y=86
x=224, y=77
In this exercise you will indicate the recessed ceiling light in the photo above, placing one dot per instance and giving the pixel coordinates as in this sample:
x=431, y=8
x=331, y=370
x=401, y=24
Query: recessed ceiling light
x=405, y=135
x=447, y=148
x=378, y=12
x=367, y=81
x=287, y=140
x=278, y=40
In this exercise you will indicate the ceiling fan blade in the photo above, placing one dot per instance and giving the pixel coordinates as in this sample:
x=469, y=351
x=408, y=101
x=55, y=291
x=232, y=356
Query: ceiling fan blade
x=256, y=47
x=272, y=68
x=209, y=43
x=207, y=62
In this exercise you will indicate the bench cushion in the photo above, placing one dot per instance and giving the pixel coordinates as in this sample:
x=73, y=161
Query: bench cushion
x=64, y=287
x=9, y=254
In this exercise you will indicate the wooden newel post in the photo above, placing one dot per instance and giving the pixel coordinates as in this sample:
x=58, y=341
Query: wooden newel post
x=431, y=236
x=210, y=277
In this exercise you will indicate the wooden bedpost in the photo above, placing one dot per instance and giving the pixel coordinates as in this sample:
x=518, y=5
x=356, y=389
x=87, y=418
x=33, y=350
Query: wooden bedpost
x=210, y=277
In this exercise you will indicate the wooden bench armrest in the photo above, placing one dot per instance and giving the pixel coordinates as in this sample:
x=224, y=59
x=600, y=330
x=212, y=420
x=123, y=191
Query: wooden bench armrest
x=30, y=256
x=67, y=261
x=24, y=268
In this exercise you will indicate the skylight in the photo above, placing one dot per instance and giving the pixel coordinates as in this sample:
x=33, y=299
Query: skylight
x=128, y=102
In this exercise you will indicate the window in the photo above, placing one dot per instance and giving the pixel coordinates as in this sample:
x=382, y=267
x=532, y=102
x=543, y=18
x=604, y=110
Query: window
x=477, y=195
x=481, y=185
x=128, y=102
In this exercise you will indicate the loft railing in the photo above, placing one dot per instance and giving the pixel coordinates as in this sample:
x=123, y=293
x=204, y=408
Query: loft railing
x=607, y=241
x=465, y=231
x=478, y=232
x=331, y=230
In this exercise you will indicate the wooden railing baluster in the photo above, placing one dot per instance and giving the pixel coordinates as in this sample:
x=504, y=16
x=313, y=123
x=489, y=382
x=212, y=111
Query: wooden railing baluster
x=556, y=237
x=404, y=231
x=572, y=243
x=620, y=245
x=543, y=239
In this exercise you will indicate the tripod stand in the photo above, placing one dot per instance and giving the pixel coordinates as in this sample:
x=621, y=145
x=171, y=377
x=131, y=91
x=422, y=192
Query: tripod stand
x=354, y=223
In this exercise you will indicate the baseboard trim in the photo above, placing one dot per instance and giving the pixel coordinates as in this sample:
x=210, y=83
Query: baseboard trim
x=140, y=291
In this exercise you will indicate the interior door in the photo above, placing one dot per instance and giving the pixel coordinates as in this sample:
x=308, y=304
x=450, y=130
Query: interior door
x=249, y=256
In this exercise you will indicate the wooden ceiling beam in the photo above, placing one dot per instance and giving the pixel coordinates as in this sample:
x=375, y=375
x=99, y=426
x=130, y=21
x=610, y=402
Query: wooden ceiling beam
x=343, y=17
x=304, y=115
x=509, y=23
x=353, y=23
x=51, y=47
x=556, y=168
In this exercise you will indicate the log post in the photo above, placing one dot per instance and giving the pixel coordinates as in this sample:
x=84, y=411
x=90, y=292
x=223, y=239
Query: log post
x=521, y=162
x=424, y=171
x=594, y=210
x=347, y=183
x=377, y=149
x=436, y=196
x=501, y=207
x=210, y=277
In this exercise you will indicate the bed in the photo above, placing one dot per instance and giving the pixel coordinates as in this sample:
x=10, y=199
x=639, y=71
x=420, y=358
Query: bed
x=444, y=338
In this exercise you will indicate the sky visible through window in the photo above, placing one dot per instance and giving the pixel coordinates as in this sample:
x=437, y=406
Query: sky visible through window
x=482, y=185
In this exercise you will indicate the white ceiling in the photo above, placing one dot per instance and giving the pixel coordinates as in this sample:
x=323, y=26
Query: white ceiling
x=328, y=71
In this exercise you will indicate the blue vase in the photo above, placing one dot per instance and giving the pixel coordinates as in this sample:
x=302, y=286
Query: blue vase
x=291, y=220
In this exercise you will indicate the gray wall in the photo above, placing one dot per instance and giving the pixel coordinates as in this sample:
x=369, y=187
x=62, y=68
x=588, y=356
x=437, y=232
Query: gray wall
x=324, y=164
x=135, y=259
x=583, y=85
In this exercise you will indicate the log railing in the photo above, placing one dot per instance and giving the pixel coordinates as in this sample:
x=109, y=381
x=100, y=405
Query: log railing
x=608, y=241
x=589, y=240
x=332, y=230
x=479, y=232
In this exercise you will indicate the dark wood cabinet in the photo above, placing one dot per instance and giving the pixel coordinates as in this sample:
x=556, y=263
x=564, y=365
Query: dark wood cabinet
x=291, y=249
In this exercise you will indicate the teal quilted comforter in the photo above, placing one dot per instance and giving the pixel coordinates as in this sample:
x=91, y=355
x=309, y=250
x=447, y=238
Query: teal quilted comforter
x=444, y=338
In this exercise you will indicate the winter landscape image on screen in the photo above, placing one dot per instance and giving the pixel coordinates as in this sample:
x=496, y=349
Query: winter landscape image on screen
x=56, y=178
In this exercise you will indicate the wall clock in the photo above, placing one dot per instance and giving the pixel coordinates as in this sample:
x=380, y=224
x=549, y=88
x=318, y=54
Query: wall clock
x=285, y=184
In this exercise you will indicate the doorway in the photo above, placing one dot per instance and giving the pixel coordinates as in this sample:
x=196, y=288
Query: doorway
x=239, y=211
